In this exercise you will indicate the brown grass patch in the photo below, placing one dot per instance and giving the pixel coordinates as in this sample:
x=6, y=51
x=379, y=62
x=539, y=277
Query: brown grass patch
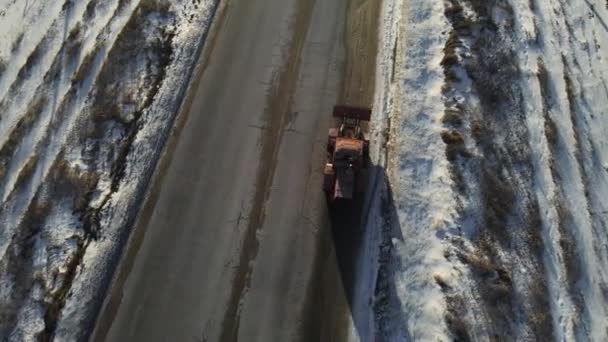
x=89, y=12
x=455, y=145
x=2, y=66
x=540, y=317
x=452, y=138
x=449, y=60
x=17, y=42
x=550, y=130
x=75, y=32
x=499, y=197
x=85, y=67
x=454, y=318
x=21, y=128
x=452, y=117
x=149, y=6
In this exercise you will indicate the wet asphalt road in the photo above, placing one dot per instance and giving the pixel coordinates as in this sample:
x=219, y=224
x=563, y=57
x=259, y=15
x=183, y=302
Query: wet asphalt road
x=231, y=246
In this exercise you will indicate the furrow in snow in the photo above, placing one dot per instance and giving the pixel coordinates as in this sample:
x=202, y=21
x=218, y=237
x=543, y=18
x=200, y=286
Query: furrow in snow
x=66, y=71
x=63, y=118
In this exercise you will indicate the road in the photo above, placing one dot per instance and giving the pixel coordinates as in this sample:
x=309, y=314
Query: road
x=232, y=241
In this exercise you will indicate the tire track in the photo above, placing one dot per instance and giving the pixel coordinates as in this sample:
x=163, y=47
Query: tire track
x=279, y=102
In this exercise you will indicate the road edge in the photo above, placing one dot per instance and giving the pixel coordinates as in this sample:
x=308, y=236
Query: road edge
x=105, y=317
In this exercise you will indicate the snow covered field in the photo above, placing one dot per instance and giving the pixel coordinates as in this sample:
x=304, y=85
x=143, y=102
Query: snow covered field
x=498, y=168
x=88, y=92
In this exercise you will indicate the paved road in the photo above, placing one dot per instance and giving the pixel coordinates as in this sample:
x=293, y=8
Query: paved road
x=233, y=242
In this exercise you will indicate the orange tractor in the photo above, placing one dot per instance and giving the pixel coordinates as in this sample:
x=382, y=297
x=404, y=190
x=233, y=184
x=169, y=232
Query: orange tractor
x=347, y=153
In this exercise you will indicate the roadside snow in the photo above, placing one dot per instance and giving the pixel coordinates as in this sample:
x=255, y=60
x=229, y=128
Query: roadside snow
x=497, y=226
x=418, y=176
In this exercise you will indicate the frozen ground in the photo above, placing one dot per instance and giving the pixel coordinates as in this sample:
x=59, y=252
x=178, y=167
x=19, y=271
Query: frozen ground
x=498, y=167
x=88, y=91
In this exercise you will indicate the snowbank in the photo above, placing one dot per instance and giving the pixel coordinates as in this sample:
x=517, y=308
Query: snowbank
x=496, y=164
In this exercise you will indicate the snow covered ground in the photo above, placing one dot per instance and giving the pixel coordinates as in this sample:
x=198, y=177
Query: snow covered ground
x=497, y=162
x=88, y=92
x=489, y=220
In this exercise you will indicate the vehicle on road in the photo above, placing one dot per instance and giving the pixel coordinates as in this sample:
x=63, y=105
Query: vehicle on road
x=346, y=169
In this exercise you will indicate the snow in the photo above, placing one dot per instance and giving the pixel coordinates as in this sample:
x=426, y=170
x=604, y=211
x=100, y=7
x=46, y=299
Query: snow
x=412, y=123
x=503, y=233
x=492, y=224
x=559, y=34
x=65, y=206
x=417, y=166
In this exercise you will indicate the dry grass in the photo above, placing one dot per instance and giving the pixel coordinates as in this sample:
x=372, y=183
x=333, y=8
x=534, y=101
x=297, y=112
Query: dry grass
x=2, y=66
x=449, y=59
x=499, y=197
x=75, y=32
x=150, y=6
x=67, y=5
x=85, y=67
x=54, y=305
x=454, y=318
x=89, y=12
x=453, y=9
x=455, y=13
x=479, y=263
x=478, y=130
x=25, y=175
x=71, y=180
x=36, y=213
x=441, y=282
x=77, y=186
x=503, y=167
x=452, y=137
x=456, y=311
x=551, y=132
x=570, y=90
x=19, y=131
x=31, y=60
x=17, y=42
x=454, y=145
x=23, y=126
x=73, y=44
x=452, y=117
x=539, y=318
x=452, y=43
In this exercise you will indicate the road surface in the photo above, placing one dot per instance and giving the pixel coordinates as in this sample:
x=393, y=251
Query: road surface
x=231, y=242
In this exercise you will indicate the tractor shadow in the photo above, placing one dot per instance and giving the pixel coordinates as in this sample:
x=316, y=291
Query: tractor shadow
x=373, y=217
